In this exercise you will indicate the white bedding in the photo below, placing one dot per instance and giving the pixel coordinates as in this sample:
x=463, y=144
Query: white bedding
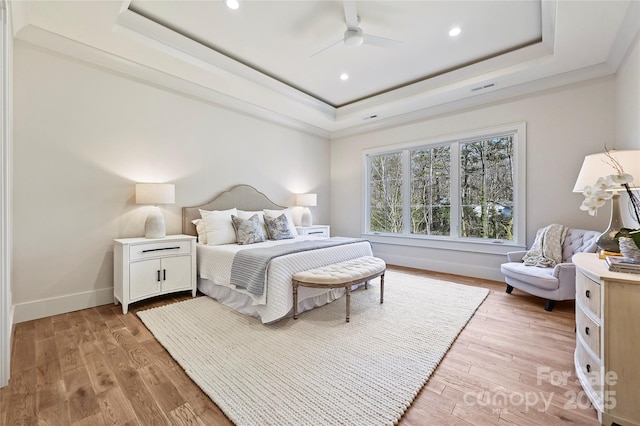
x=214, y=268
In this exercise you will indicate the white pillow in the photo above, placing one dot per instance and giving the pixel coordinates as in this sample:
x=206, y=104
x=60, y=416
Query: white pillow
x=201, y=230
x=287, y=213
x=243, y=214
x=219, y=226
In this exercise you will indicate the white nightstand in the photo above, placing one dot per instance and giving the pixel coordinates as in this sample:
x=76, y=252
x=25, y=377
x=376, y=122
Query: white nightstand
x=316, y=230
x=147, y=267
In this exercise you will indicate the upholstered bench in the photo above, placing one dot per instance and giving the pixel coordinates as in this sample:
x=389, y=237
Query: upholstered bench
x=344, y=274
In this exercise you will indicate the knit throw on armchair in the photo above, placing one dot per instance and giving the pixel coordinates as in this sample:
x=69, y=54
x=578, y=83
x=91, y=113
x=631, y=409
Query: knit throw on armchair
x=546, y=250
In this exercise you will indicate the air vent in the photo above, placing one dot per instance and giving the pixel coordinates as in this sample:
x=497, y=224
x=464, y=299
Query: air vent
x=486, y=86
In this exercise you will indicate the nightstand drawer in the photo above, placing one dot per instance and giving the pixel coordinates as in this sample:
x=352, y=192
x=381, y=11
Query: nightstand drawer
x=314, y=230
x=588, y=293
x=589, y=330
x=159, y=249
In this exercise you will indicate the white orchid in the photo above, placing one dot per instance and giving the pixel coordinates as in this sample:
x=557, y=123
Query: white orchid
x=622, y=178
x=601, y=197
x=588, y=191
x=594, y=200
x=604, y=183
x=604, y=188
x=589, y=206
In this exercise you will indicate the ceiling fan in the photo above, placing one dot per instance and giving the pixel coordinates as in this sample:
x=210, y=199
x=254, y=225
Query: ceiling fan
x=354, y=36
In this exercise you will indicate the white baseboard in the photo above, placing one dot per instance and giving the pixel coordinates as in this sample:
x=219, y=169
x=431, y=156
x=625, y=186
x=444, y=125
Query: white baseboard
x=35, y=309
x=457, y=268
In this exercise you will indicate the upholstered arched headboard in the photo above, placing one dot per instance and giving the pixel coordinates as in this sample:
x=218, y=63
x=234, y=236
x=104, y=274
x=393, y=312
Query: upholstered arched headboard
x=243, y=197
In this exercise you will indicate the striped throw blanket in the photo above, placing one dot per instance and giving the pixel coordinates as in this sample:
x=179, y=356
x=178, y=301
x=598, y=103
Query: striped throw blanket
x=249, y=266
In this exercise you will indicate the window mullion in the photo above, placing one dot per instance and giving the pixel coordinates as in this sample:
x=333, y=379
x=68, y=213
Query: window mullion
x=454, y=190
x=406, y=192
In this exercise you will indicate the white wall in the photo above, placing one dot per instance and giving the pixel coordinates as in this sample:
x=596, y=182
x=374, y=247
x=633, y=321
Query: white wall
x=563, y=125
x=628, y=99
x=628, y=115
x=6, y=240
x=84, y=136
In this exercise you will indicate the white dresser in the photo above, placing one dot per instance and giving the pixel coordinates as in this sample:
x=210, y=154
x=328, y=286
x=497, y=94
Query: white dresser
x=147, y=267
x=607, y=357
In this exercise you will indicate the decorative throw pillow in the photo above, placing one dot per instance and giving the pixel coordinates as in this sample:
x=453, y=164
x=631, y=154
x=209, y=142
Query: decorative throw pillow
x=201, y=230
x=278, y=227
x=248, y=231
x=243, y=214
x=219, y=227
x=287, y=213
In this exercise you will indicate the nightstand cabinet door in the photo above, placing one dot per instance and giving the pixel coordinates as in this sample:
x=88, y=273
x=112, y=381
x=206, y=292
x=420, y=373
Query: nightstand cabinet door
x=176, y=273
x=145, y=279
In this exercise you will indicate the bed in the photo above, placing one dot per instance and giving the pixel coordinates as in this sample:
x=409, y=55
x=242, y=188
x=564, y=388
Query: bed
x=215, y=260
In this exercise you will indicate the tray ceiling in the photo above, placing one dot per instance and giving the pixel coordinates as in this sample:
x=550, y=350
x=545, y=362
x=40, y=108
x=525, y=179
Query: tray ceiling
x=295, y=41
x=270, y=58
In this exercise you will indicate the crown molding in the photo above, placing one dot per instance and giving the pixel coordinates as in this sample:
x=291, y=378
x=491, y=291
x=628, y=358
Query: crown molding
x=65, y=46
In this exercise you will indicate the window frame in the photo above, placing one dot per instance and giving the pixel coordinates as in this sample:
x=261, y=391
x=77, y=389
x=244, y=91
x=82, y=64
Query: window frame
x=453, y=241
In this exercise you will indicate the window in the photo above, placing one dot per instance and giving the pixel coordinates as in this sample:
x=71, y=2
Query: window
x=467, y=188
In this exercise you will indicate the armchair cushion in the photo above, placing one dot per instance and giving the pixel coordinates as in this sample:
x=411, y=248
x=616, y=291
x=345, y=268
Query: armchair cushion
x=538, y=277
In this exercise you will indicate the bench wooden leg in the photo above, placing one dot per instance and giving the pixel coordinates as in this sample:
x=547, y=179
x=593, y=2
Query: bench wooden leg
x=382, y=288
x=295, y=301
x=348, y=289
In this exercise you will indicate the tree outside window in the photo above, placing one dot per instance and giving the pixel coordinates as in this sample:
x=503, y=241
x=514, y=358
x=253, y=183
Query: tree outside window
x=460, y=189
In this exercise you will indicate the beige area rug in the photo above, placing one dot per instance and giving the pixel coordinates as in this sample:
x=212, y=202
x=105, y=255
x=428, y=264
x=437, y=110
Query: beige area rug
x=319, y=369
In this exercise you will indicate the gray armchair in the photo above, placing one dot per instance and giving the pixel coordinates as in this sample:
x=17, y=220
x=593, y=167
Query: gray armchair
x=557, y=283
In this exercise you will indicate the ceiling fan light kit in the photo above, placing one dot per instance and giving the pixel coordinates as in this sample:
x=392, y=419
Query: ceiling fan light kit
x=354, y=36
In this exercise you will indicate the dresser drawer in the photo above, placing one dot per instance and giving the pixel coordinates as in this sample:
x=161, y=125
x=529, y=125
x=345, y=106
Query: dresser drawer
x=588, y=330
x=590, y=368
x=159, y=249
x=588, y=293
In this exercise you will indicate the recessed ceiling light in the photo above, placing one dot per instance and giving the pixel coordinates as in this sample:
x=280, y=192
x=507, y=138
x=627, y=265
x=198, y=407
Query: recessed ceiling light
x=344, y=76
x=454, y=31
x=232, y=4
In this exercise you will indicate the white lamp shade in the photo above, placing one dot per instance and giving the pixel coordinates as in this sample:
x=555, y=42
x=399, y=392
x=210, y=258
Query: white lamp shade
x=155, y=193
x=599, y=165
x=307, y=200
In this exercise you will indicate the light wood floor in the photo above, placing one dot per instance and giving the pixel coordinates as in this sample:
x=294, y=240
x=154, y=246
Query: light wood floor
x=99, y=367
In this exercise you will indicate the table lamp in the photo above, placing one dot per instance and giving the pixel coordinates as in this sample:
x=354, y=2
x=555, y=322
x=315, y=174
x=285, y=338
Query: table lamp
x=306, y=201
x=155, y=194
x=600, y=165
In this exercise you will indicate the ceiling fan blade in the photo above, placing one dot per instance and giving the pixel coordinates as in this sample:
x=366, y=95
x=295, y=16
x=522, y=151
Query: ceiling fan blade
x=351, y=14
x=380, y=41
x=327, y=48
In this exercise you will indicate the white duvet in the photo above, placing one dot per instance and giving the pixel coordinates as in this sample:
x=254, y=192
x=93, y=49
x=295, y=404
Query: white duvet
x=214, y=265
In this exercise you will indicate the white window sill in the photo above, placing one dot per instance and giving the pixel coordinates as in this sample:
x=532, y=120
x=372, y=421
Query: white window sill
x=445, y=243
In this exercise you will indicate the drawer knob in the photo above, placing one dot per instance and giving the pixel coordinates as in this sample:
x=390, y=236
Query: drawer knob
x=587, y=293
x=586, y=331
x=588, y=368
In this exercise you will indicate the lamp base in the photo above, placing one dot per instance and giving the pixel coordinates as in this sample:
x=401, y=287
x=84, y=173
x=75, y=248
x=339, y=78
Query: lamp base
x=607, y=240
x=154, y=226
x=306, y=220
